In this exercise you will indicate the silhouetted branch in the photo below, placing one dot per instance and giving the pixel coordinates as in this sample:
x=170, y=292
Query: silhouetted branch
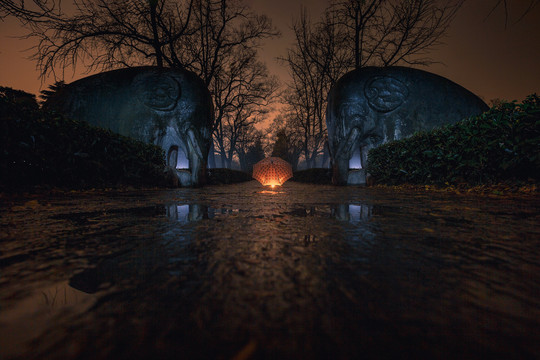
x=505, y=4
x=216, y=39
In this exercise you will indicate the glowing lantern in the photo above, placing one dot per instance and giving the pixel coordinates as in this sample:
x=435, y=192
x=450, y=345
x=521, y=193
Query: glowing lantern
x=272, y=171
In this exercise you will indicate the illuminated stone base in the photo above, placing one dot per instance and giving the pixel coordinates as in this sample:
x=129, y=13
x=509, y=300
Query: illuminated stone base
x=356, y=177
x=184, y=176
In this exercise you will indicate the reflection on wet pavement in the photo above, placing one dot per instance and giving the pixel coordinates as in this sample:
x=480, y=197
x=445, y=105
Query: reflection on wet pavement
x=305, y=271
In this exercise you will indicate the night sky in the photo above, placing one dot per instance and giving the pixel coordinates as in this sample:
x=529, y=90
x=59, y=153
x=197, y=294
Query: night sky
x=479, y=53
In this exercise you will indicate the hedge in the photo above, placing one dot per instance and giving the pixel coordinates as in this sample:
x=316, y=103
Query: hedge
x=44, y=148
x=313, y=176
x=499, y=145
x=226, y=176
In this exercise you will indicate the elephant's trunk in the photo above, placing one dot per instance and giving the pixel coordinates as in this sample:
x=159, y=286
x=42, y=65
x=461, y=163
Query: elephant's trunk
x=197, y=159
x=345, y=147
x=340, y=171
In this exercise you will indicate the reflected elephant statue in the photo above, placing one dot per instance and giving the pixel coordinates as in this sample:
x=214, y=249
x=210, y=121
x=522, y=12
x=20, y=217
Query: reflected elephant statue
x=171, y=108
x=370, y=106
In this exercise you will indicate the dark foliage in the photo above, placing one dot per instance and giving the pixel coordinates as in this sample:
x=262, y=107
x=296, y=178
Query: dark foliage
x=502, y=144
x=314, y=176
x=227, y=176
x=44, y=148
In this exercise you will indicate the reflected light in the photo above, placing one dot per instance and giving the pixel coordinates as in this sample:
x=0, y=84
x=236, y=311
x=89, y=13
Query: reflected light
x=272, y=182
x=270, y=192
x=355, y=161
x=182, y=161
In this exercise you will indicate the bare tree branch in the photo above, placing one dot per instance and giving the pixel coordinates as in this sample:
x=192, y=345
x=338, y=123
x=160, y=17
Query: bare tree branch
x=216, y=39
x=505, y=4
x=353, y=34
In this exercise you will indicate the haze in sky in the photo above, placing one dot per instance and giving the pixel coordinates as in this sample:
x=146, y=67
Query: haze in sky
x=479, y=53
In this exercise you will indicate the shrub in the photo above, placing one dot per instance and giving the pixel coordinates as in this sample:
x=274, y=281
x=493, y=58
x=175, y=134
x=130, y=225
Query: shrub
x=499, y=145
x=44, y=148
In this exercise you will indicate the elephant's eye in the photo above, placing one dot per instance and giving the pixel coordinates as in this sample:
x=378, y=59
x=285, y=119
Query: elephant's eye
x=385, y=94
x=352, y=110
x=159, y=92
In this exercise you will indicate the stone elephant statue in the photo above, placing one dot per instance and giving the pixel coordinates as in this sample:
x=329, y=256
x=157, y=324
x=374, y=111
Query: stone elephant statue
x=171, y=108
x=370, y=106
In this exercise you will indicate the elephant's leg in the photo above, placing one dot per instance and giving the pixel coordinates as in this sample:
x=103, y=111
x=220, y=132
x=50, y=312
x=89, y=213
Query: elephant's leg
x=177, y=159
x=197, y=158
x=364, y=155
x=340, y=171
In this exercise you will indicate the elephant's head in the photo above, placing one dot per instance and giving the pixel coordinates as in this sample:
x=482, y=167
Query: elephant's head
x=183, y=113
x=169, y=107
x=356, y=106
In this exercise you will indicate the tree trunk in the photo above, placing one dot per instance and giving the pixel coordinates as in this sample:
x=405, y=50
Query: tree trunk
x=156, y=45
x=211, y=156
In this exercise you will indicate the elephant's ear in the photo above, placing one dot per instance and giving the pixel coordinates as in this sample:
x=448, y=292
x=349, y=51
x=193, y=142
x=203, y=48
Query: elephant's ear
x=384, y=93
x=157, y=91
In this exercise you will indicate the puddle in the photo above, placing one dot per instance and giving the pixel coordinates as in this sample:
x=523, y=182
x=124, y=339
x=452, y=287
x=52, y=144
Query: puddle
x=26, y=320
x=305, y=271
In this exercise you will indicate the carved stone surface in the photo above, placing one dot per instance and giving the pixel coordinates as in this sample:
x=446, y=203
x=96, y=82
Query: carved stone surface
x=171, y=108
x=157, y=90
x=370, y=106
x=356, y=177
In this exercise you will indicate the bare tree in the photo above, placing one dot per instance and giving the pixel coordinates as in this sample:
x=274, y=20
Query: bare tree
x=505, y=4
x=353, y=34
x=220, y=28
x=216, y=39
x=317, y=60
x=243, y=91
x=288, y=138
x=223, y=52
x=249, y=147
x=192, y=34
x=388, y=32
x=105, y=34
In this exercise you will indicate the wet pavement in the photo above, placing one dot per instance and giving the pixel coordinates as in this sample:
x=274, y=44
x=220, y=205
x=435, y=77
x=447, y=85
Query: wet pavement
x=241, y=271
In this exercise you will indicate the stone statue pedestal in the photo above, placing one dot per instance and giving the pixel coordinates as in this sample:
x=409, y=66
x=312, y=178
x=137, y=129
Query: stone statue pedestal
x=370, y=106
x=356, y=177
